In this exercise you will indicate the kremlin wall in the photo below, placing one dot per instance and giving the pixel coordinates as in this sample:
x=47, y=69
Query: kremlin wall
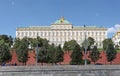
x=67, y=59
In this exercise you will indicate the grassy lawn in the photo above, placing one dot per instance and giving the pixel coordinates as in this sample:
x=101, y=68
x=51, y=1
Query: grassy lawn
x=118, y=50
x=100, y=49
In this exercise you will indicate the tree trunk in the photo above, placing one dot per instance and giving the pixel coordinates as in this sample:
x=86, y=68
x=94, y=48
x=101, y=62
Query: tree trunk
x=42, y=63
x=25, y=63
x=111, y=63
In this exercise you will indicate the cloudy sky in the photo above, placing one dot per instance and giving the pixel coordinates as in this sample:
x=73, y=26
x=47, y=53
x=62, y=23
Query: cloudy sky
x=21, y=13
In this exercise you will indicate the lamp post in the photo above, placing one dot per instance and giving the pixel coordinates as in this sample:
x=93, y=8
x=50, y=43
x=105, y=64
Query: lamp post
x=36, y=51
x=85, y=46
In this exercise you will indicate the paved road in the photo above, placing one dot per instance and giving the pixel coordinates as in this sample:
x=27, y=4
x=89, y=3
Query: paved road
x=61, y=70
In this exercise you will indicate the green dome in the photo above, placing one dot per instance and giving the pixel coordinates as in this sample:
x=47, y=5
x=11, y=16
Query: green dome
x=62, y=21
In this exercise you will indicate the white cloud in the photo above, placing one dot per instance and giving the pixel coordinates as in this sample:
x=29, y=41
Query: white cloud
x=114, y=29
x=117, y=27
x=111, y=30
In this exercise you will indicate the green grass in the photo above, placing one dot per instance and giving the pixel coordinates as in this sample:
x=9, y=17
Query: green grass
x=100, y=49
x=118, y=50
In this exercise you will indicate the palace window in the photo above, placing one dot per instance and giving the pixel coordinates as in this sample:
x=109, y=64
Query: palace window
x=18, y=33
x=45, y=33
x=48, y=33
x=56, y=33
x=29, y=33
x=41, y=33
x=92, y=33
x=80, y=33
x=56, y=39
x=37, y=34
x=60, y=33
x=64, y=33
x=104, y=33
x=22, y=34
x=100, y=33
x=68, y=33
x=76, y=33
x=26, y=33
x=96, y=33
x=88, y=33
x=53, y=34
x=72, y=33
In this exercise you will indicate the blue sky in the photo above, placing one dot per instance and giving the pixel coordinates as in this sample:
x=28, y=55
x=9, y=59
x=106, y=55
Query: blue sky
x=21, y=13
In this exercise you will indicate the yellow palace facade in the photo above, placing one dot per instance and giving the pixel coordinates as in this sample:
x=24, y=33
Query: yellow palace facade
x=62, y=30
x=116, y=38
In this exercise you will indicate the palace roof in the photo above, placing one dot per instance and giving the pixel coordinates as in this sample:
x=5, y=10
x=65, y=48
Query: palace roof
x=62, y=20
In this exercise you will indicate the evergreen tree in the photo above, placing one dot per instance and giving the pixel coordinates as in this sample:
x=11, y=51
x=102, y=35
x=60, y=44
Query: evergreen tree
x=5, y=45
x=7, y=40
x=51, y=54
x=106, y=42
x=17, y=42
x=55, y=54
x=59, y=54
x=94, y=55
x=76, y=56
x=111, y=53
x=42, y=55
x=69, y=46
x=22, y=51
x=90, y=41
x=66, y=46
x=5, y=54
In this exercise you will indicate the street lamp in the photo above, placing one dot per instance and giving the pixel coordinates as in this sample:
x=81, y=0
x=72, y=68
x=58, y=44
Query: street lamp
x=36, y=52
x=85, y=46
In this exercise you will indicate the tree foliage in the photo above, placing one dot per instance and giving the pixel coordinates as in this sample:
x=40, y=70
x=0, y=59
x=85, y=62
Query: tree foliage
x=5, y=45
x=42, y=55
x=90, y=42
x=76, y=56
x=66, y=46
x=54, y=54
x=59, y=54
x=51, y=54
x=7, y=40
x=110, y=53
x=5, y=54
x=95, y=54
x=106, y=42
x=69, y=46
x=22, y=51
x=42, y=52
x=38, y=41
x=17, y=42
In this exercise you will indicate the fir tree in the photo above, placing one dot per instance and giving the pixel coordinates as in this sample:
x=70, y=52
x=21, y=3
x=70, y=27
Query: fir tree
x=76, y=55
x=94, y=55
x=111, y=53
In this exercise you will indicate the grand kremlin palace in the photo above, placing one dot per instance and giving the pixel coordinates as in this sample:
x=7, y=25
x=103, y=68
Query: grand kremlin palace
x=62, y=30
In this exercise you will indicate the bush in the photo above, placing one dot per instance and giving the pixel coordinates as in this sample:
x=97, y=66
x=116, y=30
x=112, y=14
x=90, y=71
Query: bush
x=75, y=63
x=80, y=62
x=88, y=62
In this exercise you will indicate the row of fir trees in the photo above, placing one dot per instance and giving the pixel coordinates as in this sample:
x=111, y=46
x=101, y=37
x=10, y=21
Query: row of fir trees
x=50, y=53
